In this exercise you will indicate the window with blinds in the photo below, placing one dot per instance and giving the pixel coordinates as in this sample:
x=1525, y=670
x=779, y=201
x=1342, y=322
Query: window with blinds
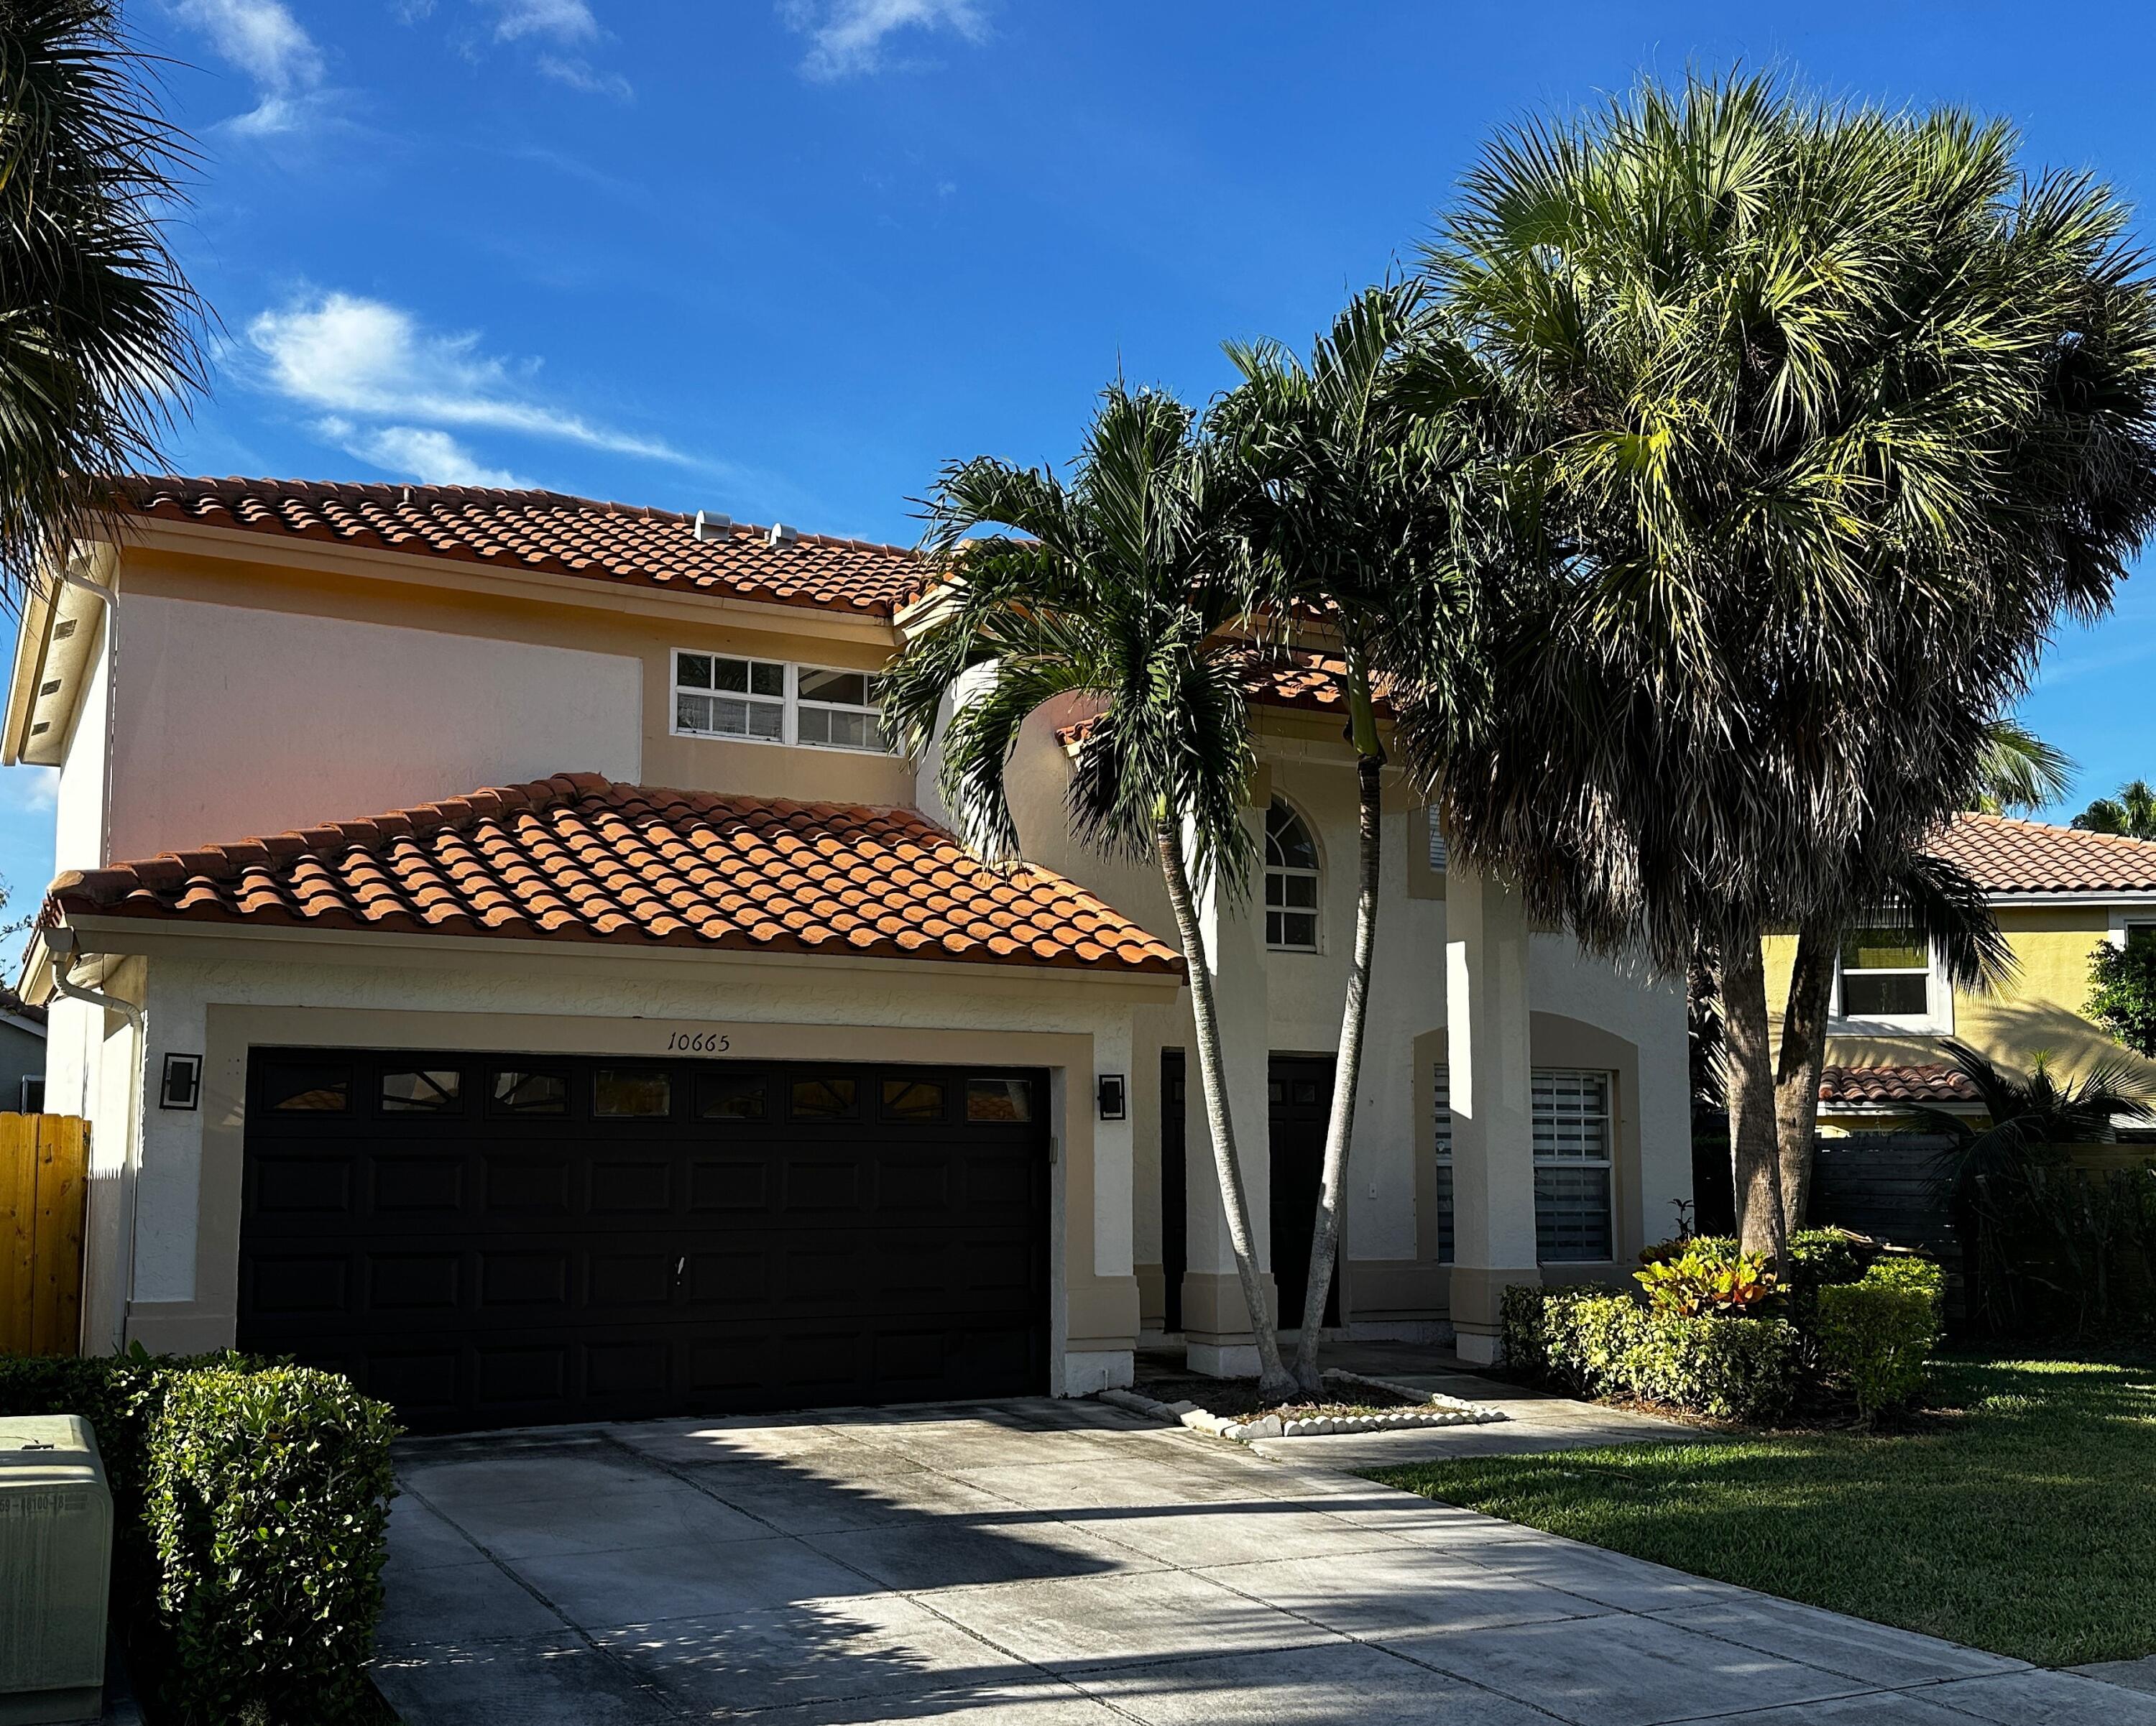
x=1436, y=842
x=1573, y=1140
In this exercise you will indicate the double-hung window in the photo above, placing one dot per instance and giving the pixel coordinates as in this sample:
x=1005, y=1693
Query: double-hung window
x=769, y=701
x=838, y=710
x=1572, y=1135
x=1887, y=977
x=1291, y=877
x=718, y=696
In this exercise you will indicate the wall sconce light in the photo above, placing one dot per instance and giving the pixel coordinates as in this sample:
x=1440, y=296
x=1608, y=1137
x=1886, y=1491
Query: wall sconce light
x=182, y=1083
x=1112, y=1096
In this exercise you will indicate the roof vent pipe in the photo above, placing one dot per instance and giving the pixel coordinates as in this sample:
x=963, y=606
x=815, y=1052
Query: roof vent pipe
x=710, y=525
x=781, y=535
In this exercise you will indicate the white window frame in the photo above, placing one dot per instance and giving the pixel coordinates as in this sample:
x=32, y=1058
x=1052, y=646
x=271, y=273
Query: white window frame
x=1441, y=1130
x=789, y=703
x=795, y=701
x=1936, y=1019
x=2124, y=922
x=1315, y=910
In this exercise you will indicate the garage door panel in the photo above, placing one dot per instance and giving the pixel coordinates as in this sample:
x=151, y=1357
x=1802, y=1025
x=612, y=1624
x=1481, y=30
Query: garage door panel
x=823, y=1235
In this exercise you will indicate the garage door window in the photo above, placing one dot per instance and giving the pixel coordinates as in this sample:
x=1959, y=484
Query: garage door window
x=631, y=1094
x=308, y=1087
x=731, y=1098
x=429, y=1090
x=521, y=1093
x=998, y=1099
x=822, y=1099
x=912, y=1100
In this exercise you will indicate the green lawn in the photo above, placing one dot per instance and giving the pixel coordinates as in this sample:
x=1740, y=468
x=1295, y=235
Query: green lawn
x=2023, y=1520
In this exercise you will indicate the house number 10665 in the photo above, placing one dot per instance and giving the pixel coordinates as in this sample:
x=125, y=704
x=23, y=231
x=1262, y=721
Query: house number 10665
x=699, y=1043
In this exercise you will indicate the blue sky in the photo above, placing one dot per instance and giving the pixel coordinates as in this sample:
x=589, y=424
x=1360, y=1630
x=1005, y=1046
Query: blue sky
x=783, y=259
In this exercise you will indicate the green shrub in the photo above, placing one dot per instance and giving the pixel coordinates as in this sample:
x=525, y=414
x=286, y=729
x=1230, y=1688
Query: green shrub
x=1875, y=1334
x=1731, y=1368
x=1596, y=1342
x=269, y=1499
x=1703, y=1279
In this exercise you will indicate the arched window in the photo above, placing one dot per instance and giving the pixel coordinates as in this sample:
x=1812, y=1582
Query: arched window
x=1291, y=882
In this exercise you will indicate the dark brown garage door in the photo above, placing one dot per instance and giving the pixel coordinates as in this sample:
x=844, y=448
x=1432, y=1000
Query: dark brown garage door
x=501, y=1239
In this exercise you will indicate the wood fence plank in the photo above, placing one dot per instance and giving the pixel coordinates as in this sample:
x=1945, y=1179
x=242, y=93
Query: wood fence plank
x=44, y=1185
x=18, y=1216
x=62, y=1195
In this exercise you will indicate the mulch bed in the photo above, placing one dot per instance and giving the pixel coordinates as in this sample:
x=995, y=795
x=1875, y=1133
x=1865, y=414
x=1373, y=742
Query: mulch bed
x=1237, y=1399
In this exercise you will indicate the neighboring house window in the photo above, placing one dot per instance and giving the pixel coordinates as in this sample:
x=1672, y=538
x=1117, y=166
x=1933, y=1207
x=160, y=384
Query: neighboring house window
x=1888, y=977
x=33, y=1098
x=768, y=701
x=1573, y=1140
x=1291, y=882
x=1437, y=853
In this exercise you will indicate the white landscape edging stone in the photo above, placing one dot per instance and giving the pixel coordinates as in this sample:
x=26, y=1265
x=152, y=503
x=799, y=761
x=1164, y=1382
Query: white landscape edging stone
x=1428, y=1409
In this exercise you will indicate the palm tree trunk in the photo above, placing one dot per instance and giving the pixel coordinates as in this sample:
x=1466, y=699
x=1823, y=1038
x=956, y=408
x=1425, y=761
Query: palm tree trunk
x=1273, y=1385
x=1798, y=1064
x=1754, y=1153
x=1340, y=1128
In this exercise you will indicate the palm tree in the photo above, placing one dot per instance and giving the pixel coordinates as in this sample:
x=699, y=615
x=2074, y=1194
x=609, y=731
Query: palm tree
x=1116, y=588
x=2132, y=813
x=1824, y=416
x=2032, y=1117
x=99, y=328
x=1342, y=517
x=2021, y=772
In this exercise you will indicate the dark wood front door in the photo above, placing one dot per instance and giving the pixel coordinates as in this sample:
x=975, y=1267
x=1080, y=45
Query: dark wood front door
x=504, y=1240
x=1299, y=1089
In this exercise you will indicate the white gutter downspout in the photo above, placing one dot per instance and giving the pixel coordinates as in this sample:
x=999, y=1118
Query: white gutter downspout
x=63, y=944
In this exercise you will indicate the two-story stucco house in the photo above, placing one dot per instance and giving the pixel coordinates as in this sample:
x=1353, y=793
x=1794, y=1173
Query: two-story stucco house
x=502, y=960
x=2058, y=894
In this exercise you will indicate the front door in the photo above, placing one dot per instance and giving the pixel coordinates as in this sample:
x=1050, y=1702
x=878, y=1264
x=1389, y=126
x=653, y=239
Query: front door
x=1299, y=1089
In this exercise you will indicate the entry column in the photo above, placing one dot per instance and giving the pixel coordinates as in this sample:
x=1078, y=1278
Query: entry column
x=1493, y=1170
x=1216, y=1322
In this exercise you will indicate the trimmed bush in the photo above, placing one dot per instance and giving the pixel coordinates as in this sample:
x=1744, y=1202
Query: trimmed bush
x=268, y=1496
x=1875, y=1334
x=1600, y=1342
x=250, y=1512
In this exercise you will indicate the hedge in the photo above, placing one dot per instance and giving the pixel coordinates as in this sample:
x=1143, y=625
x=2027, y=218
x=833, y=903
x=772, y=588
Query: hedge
x=1875, y=1334
x=1602, y=1343
x=250, y=1513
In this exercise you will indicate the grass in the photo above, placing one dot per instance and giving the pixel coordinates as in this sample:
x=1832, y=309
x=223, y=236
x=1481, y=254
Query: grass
x=2019, y=1518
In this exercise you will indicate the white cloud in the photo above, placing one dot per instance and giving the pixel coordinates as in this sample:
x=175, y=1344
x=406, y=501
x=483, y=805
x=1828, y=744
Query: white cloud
x=579, y=74
x=559, y=20
x=431, y=458
x=847, y=37
x=344, y=355
x=29, y=790
x=272, y=47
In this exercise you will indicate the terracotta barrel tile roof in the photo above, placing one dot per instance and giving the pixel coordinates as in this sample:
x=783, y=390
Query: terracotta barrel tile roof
x=1896, y=1084
x=2008, y=856
x=548, y=531
x=1285, y=677
x=580, y=857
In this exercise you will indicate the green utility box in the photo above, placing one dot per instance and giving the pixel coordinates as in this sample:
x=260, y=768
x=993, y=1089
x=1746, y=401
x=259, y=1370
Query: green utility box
x=55, y=1564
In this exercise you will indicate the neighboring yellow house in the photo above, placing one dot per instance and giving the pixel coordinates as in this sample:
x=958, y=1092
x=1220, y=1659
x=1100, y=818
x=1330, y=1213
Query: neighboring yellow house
x=2058, y=894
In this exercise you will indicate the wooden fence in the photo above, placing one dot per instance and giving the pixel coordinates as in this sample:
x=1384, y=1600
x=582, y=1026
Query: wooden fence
x=44, y=1188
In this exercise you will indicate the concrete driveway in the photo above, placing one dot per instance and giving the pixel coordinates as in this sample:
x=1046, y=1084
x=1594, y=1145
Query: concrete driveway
x=1055, y=1564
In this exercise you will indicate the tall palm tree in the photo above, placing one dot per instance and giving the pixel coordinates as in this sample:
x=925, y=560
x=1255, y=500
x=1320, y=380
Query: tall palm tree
x=1343, y=515
x=1825, y=415
x=99, y=330
x=1117, y=587
x=2132, y=813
